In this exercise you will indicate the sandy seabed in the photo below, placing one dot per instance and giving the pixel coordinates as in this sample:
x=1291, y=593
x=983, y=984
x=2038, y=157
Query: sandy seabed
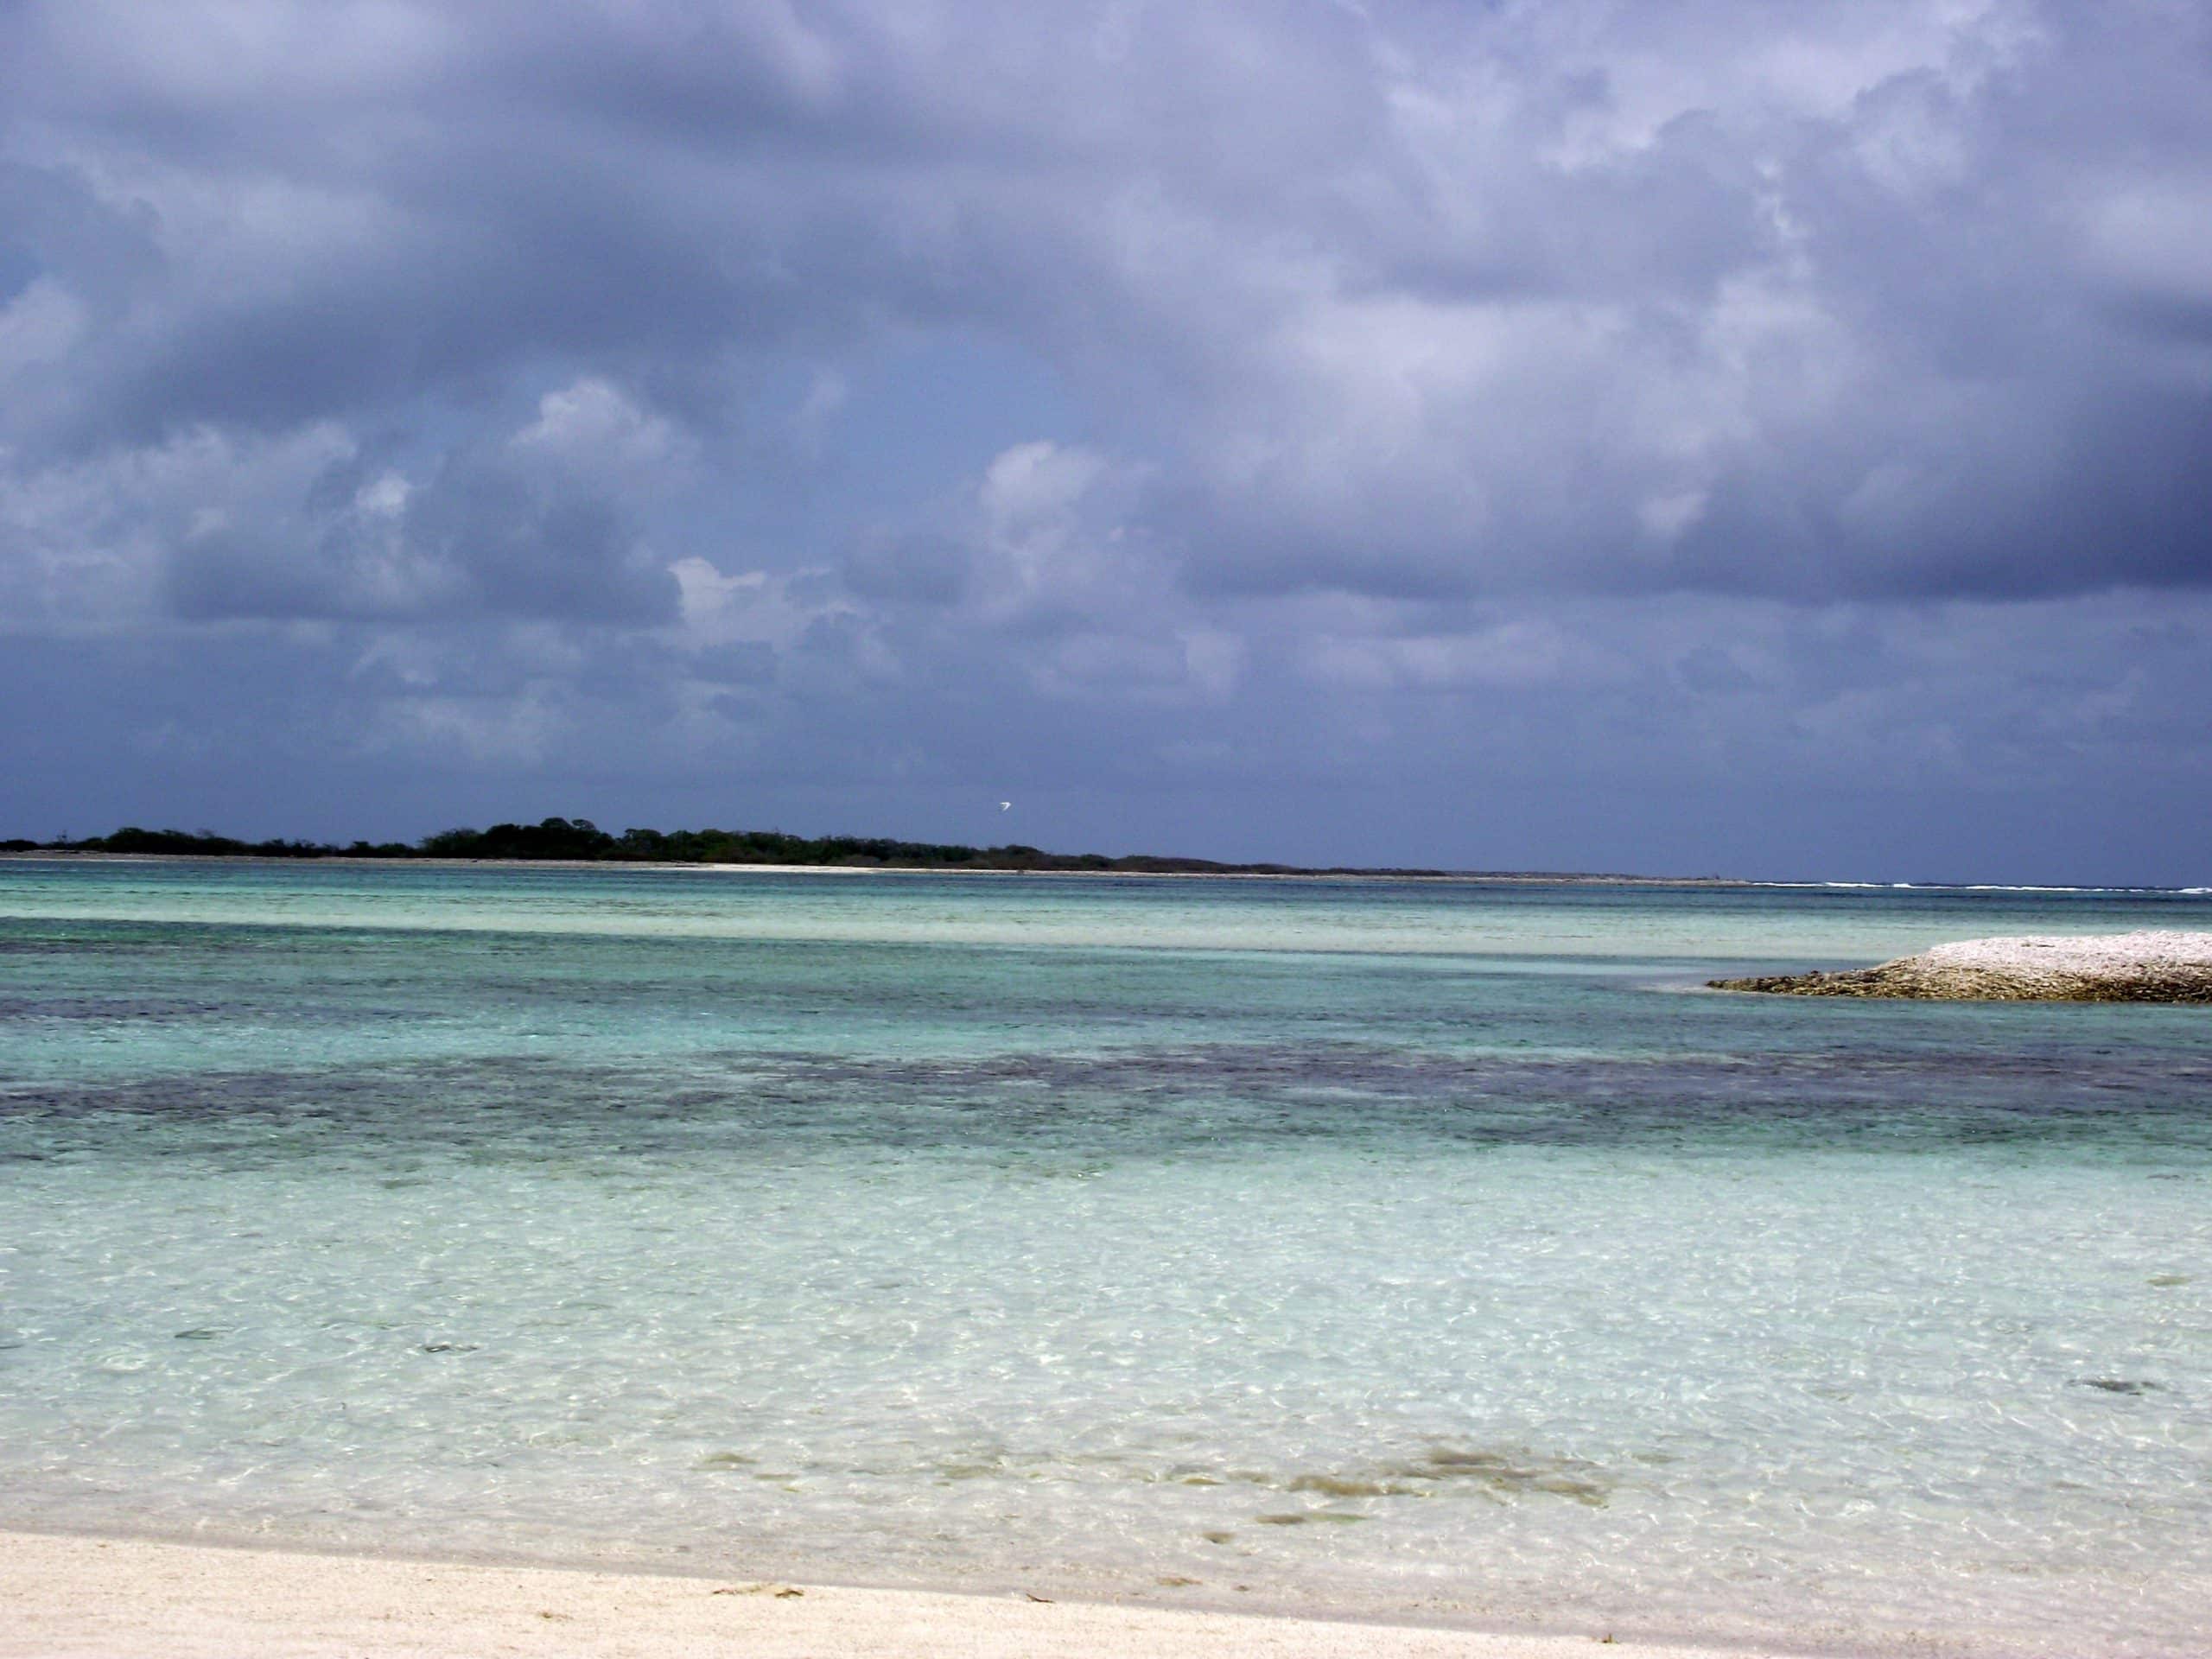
x=76, y=1597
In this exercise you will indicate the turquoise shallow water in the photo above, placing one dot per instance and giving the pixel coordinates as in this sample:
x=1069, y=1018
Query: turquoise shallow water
x=1387, y=1248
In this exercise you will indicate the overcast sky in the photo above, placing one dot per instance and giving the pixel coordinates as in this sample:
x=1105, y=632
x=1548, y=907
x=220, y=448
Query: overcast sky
x=1683, y=436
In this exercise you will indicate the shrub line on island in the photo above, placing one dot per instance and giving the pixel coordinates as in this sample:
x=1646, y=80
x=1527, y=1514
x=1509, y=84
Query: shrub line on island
x=580, y=841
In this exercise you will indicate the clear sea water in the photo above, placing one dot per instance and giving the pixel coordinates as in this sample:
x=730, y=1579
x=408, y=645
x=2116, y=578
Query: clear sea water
x=1391, y=1249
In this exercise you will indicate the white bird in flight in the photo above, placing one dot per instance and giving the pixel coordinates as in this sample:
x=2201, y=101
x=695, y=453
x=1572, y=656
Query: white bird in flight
x=1005, y=806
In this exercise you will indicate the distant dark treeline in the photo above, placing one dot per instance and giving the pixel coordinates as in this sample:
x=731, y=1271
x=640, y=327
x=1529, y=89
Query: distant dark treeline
x=580, y=838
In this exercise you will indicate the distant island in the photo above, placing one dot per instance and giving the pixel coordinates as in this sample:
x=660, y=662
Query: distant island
x=580, y=841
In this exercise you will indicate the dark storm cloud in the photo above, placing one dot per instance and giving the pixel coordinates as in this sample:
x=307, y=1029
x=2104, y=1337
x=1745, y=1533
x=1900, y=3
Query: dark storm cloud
x=1740, y=298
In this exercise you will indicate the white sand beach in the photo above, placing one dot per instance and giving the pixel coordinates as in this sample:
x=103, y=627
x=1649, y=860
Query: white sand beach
x=2147, y=949
x=78, y=1597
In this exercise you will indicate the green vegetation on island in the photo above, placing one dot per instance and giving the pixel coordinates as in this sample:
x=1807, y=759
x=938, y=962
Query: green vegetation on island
x=575, y=840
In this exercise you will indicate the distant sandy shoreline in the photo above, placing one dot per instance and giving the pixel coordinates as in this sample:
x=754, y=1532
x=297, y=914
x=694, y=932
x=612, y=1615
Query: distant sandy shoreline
x=1506, y=878
x=78, y=1596
x=1462, y=877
